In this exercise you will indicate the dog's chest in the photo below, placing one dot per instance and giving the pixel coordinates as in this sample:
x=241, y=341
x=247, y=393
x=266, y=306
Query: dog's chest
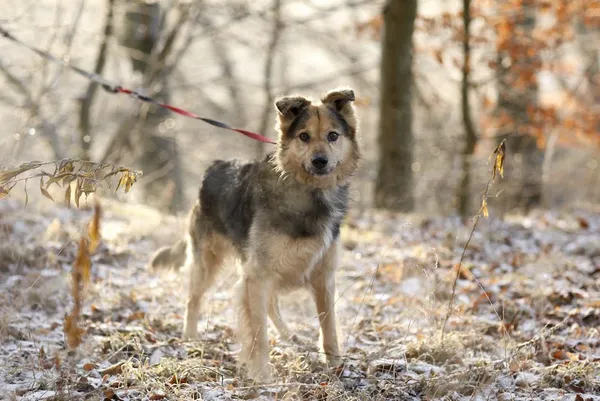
x=301, y=231
x=294, y=259
x=312, y=214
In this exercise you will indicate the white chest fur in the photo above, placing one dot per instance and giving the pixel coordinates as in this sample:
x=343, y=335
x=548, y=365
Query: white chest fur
x=290, y=260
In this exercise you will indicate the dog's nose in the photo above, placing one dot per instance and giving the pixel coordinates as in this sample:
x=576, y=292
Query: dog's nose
x=319, y=162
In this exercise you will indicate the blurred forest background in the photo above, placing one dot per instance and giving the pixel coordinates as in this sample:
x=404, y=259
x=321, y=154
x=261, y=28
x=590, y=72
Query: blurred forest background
x=439, y=83
x=431, y=305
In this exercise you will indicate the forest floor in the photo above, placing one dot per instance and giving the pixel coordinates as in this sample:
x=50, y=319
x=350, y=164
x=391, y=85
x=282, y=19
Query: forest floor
x=524, y=327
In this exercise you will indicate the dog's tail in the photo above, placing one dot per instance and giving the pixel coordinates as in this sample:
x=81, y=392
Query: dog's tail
x=169, y=257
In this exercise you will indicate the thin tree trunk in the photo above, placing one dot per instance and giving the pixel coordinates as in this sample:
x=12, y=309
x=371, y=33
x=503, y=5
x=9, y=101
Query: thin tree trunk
x=85, y=131
x=470, y=135
x=268, y=73
x=394, y=187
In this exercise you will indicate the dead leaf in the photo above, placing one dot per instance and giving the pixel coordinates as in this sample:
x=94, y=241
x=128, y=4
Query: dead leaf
x=178, y=380
x=89, y=366
x=500, y=153
x=583, y=223
x=112, y=369
x=94, y=229
x=83, y=263
x=464, y=271
x=68, y=196
x=26, y=195
x=484, y=208
x=559, y=354
x=44, y=191
x=3, y=192
x=78, y=191
x=139, y=315
x=73, y=332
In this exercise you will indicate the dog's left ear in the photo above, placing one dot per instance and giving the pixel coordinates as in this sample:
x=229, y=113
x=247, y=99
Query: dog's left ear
x=291, y=106
x=340, y=100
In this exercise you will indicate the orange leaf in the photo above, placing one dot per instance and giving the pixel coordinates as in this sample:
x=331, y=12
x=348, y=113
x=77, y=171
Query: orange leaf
x=464, y=271
x=89, y=366
x=73, y=332
x=94, y=229
x=83, y=263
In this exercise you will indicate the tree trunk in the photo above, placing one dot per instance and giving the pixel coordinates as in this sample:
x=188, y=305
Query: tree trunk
x=393, y=188
x=464, y=193
x=85, y=123
x=522, y=188
x=146, y=138
x=265, y=121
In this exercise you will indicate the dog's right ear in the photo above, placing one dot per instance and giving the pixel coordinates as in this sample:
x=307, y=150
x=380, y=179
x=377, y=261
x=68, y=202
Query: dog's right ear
x=290, y=106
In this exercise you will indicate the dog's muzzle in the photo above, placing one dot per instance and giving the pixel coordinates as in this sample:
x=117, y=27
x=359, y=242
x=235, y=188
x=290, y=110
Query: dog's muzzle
x=320, y=165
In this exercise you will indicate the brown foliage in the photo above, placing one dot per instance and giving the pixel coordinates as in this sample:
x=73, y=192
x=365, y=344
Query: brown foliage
x=525, y=55
x=87, y=177
x=81, y=276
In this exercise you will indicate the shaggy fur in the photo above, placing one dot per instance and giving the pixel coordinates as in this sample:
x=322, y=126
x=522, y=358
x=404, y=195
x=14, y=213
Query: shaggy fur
x=281, y=218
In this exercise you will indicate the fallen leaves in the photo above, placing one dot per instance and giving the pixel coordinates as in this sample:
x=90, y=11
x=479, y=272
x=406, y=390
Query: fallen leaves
x=394, y=340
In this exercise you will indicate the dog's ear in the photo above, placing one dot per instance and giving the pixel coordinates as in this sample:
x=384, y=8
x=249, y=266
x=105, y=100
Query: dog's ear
x=339, y=100
x=291, y=106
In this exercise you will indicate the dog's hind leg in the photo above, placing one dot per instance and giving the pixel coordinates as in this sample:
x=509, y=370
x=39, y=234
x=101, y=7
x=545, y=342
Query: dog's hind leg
x=323, y=286
x=204, y=263
x=254, y=296
x=205, y=255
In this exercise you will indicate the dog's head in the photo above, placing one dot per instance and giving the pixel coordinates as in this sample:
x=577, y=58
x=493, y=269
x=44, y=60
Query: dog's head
x=317, y=140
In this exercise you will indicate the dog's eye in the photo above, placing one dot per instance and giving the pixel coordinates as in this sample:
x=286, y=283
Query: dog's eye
x=304, y=137
x=333, y=136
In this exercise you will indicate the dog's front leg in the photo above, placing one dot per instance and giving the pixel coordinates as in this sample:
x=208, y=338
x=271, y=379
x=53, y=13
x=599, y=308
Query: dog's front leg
x=254, y=297
x=323, y=286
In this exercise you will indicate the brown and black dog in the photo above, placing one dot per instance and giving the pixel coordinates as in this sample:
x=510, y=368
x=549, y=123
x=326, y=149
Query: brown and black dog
x=280, y=217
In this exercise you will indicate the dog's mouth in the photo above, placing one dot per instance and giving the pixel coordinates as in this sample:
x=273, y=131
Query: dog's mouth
x=319, y=172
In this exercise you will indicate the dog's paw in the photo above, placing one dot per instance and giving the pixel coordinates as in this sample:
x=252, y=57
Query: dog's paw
x=334, y=361
x=190, y=335
x=260, y=375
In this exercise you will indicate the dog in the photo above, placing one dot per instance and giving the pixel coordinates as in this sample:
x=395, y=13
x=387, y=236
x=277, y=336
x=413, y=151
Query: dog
x=280, y=217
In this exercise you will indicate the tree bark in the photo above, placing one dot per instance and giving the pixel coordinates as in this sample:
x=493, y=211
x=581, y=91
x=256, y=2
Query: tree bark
x=394, y=188
x=470, y=135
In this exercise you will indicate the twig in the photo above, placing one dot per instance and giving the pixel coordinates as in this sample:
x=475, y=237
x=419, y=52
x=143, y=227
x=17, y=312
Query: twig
x=498, y=167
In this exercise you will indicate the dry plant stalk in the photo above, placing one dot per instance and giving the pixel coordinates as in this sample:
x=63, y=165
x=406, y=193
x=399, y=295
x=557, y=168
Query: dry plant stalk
x=500, y=155
x=81, y=275
x=86, y=175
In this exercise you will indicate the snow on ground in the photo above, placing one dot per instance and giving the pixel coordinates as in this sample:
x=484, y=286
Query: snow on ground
x=541, y=275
